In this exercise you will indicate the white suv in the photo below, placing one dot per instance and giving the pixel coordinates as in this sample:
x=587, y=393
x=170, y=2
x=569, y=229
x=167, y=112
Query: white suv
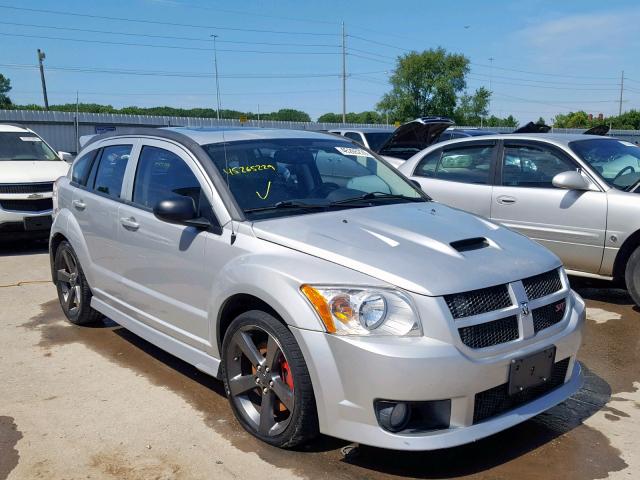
x=28, y=168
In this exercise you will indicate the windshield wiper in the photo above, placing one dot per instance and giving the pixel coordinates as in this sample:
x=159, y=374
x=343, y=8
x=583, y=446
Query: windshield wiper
x=289, y=204
x=377, y=196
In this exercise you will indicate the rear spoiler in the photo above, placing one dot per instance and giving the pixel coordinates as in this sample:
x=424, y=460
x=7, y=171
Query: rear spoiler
x=601, y=130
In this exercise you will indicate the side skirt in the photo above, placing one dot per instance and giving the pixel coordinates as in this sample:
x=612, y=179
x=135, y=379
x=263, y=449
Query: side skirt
x=189, y=354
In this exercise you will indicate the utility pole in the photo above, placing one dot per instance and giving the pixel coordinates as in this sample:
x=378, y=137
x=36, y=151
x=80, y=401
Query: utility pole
x=41, y=57
x=258, y=112
x=77, y=122
x=344, y=76
x=621, y=90
x=215, y=64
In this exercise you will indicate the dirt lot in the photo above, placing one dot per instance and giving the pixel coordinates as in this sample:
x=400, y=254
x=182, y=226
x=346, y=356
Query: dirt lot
x=102, y=403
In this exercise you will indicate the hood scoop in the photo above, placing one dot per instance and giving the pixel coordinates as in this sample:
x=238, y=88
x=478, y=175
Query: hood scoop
x=468, y=244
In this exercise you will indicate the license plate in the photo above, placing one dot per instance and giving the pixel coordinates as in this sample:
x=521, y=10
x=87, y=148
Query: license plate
x=531, y=371
x=42, y=222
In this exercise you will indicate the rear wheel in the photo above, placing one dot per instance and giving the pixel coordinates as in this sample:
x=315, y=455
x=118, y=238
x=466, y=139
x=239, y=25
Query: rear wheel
x=632, y=276
x=267, y=381
x=73, y=290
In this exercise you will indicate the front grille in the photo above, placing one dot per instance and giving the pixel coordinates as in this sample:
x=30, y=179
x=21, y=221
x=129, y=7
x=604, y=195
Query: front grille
x=497, y=400
x=542, y=285
x=26, y=187
x=490, y=333
x=549, y=315
x=27, y=205
x=475, y=302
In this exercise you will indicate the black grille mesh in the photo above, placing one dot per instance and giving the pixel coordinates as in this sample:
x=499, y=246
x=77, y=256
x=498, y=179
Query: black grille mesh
x=475, y=302
x=27, y=205
x=542, y=285
x=497, y=400
x=26, y=187
x=549, y=315
x=490, y=333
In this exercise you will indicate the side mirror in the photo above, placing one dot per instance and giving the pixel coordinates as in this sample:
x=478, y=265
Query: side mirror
x=570, y=180
x=416, y=184
x=181, y=211
x=66, y=156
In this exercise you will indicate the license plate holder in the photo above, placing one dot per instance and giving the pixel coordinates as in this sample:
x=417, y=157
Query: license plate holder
x=41, y=222
x=531, y=371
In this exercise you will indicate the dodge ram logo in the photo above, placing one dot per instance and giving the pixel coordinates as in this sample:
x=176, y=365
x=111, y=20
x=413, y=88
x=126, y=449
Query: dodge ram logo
x=524, y=308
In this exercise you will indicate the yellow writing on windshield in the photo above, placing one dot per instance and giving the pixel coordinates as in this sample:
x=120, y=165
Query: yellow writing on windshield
x=248, y=169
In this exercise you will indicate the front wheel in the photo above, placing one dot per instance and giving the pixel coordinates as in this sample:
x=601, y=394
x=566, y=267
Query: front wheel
x=632, y=276
x=267, y=381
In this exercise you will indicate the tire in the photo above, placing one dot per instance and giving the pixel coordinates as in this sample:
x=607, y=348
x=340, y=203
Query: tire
x=74, y=293
x=274, y=371
x=632, y=276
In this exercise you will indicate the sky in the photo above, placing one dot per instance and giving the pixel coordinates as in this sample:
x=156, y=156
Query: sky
x=538, y=57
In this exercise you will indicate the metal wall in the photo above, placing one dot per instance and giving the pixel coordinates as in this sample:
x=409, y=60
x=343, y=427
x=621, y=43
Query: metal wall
x=59, y=128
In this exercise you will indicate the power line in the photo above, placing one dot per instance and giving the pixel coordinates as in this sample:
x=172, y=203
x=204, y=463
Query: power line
x=548, y=87
x=163, y=73
x=173, y=47
x=166, y=37
x=157, y=22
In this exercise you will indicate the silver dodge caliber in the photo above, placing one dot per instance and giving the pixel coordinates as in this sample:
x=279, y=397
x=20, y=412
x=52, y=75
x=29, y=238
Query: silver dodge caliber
x=327, y=291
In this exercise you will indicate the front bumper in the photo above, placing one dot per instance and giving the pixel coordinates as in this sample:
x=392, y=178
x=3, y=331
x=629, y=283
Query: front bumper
x=350, y=373
x=12, y=224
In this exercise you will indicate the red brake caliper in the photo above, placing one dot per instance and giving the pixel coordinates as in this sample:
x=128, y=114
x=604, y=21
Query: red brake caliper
x=285, y=374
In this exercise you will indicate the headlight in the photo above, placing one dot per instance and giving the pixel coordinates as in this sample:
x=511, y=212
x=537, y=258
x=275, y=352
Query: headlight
x=363, y=311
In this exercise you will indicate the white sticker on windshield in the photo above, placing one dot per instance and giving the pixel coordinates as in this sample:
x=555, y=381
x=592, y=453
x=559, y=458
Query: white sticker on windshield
x=358, y=152
x=628, y=144
x=30, y=139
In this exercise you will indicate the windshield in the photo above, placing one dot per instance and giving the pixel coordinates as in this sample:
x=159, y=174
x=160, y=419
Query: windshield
x=617, y=161
x=276, y=177
x=17, y=146
x=377, y=139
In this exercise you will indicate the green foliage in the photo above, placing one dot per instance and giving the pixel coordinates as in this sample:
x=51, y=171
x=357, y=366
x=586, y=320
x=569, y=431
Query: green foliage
x=285, y=114
x=5, y=87
x=425, y=83
x=362, y=117
x=472, y=109
x=494, y=121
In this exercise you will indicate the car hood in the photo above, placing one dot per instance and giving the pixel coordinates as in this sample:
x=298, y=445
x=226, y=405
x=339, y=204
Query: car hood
x=32, y=172
x=417, y=134
x=410, y=246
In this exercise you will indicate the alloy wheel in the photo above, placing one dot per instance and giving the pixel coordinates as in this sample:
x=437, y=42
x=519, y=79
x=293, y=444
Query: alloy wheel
x=68, y=279
x=260, y=381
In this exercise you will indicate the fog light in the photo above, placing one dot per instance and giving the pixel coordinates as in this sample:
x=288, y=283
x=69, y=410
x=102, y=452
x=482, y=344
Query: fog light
x=393, y=416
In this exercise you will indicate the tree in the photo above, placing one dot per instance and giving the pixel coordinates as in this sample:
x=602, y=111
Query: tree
x=540, y=121
x=352, y=117
x=494, y=121
x=425, y=83
x=5, y=87
x=472, y=109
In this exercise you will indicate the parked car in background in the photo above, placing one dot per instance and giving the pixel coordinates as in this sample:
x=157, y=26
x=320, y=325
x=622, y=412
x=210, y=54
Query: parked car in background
x=412, y=137
x=372, y=138
x=28, y=168
x=453, y=133
x=577, y=195
x=343, y=302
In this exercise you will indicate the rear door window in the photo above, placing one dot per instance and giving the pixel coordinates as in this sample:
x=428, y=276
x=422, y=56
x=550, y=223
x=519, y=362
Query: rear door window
x=354, y=136
x=469, y=164
x=82, y=167
x=111, y=168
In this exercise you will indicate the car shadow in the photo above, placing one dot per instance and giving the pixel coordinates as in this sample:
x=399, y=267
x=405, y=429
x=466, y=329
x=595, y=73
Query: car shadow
x=12, y=248
x=601, y=291
x=493, y=451
x=477, y=457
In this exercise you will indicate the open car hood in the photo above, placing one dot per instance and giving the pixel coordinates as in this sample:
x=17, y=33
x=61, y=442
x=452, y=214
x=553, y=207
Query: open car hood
x=533, y=128
x=416, y=135
x=601, y=130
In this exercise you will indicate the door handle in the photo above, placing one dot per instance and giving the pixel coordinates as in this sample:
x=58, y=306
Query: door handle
x=130, y=223
x=79, y=205
x=506, y=200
